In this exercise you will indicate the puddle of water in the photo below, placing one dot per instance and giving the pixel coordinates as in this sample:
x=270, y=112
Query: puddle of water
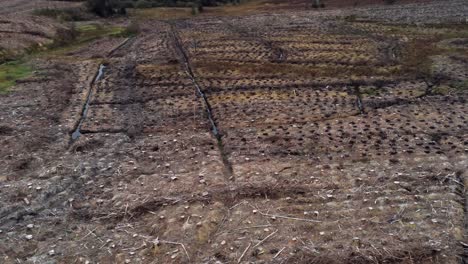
x=102, y=67
x=214, y=128
x=77, y=133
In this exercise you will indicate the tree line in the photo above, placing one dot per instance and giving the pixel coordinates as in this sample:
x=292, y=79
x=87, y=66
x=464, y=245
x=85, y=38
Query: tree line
x=107, y=8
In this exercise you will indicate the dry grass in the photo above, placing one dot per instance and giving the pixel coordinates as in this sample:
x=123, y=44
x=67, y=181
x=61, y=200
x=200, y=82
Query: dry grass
x=170, y=13
x=295, y=70
x=250, y=7
x=416, y=57
x=162, y=13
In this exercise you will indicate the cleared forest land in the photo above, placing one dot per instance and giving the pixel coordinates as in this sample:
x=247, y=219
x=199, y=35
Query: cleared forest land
x=289, y=135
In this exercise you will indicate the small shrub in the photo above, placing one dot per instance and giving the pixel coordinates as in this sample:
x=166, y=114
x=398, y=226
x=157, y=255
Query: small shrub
x=195, y=9
x=6, y=55
x=143, y=4
x=350, y=18
x=461, y=85
x=132, y=29
x=65, y=36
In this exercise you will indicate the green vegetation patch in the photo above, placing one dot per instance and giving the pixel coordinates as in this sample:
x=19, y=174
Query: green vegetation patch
x=69, y=14
x=82, y=34
x=370, y=91
x=65, y=41
x=5, y=55
x=10, y=72
x=453, y=87
x=88, y=32
x=461, y=85
x=93, y=31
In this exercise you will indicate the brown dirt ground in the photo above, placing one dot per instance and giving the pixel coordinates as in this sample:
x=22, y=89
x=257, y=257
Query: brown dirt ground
x=313, y=137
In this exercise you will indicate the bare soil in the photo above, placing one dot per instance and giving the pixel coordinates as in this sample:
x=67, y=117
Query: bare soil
x=303, y=136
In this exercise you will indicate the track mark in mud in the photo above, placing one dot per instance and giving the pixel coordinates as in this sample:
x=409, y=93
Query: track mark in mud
x=214, y=128
x=77, y=131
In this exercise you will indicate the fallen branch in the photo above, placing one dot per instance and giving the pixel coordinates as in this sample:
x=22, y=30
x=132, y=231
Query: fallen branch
x=245, y=251
x=258, y=226
x=291, y=218
x=279, y=252
x=90, y=232
x=263, y=240
x=173, y=243
x=234, y=206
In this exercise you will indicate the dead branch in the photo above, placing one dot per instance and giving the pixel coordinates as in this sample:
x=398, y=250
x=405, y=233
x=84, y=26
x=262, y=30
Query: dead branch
x=263, y=240
x=243, y=253
x=173, y=243
x=291, y=218
x=279, y=252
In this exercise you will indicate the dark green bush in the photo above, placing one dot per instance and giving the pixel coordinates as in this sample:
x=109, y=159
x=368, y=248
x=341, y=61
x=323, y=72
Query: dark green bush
x=106, y=8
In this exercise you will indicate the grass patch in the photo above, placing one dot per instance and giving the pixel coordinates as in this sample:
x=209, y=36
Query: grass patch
x=461, y=85
x=369, y=91
x=69, y=14
x=163, y=13
x=67, y=41
x=5, y=55
x=10, y=72
x=93, y=31
x=452, y=87
x=168, y=13
x=85, y=33
x=89, y=32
